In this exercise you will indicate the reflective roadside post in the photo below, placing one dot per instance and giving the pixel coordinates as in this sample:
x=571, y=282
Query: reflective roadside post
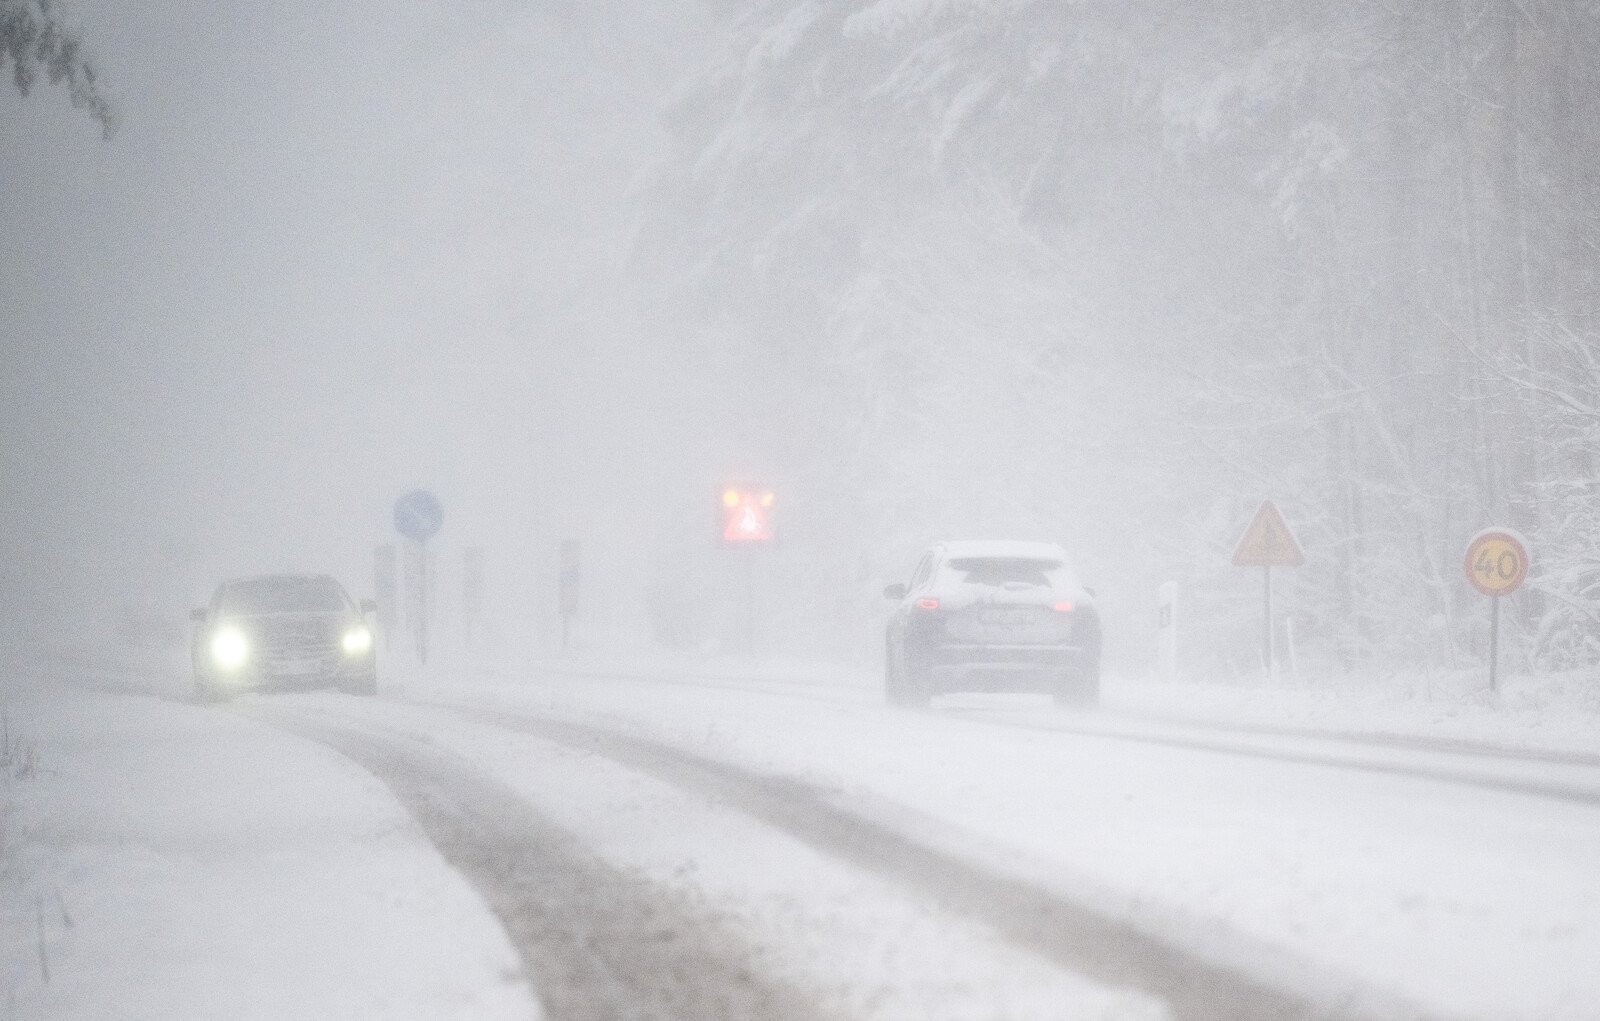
x=1496, y=565
x=385, y=591
x=471, y=593
x=1167, y=630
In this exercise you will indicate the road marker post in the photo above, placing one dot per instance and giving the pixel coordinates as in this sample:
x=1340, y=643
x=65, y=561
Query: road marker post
x=1167, y=630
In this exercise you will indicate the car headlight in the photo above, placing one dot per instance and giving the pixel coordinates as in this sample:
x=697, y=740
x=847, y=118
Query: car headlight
x=229, y=649
x=357, y=641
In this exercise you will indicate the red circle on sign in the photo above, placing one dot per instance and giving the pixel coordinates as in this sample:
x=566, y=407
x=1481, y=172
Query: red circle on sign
x=1496, y=562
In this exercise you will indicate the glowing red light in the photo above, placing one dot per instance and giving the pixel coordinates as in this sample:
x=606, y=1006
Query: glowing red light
x=747, y=516
x=1063, y=607
x=927, y=604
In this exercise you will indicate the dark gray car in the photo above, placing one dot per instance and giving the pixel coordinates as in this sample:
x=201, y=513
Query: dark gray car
x=993, y=616
x=282, y=631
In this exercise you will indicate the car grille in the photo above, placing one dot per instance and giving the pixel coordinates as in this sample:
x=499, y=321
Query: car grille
x=290, y=645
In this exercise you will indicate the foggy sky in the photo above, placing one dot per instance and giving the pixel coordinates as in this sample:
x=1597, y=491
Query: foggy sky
x=333, y=252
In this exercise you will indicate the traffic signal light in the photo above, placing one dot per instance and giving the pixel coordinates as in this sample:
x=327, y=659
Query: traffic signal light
x=747, y=515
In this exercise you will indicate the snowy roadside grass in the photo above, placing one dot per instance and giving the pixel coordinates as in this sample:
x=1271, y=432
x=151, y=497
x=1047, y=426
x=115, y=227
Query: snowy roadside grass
x=1548, y=712
x=167, y=860
x=30, y=920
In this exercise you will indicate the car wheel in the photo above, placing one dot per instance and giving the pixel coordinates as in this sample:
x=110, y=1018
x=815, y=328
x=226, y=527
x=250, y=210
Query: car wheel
x=906, y=684
x=1079, y=688
x=207, y=693
x=367, y=685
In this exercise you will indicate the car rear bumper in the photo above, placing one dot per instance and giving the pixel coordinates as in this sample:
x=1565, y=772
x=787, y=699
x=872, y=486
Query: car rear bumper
x=1001, y=667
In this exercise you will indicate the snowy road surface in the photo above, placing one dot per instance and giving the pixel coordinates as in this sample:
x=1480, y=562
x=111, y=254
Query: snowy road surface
x=611, y=847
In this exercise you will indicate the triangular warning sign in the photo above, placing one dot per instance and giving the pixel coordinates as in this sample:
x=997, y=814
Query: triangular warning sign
x=1268, y=542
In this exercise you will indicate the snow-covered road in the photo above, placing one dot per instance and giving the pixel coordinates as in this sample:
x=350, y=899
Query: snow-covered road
x=711, y=847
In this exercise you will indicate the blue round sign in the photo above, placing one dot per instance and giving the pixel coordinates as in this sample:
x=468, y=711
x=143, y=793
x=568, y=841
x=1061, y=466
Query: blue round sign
x=418, y=515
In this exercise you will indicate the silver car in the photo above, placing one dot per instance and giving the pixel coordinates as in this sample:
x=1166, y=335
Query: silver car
x=282, y=631
x=993, y=616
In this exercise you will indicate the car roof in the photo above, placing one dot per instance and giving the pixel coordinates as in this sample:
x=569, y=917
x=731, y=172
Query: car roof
x=1000, y=549
x=279, y=579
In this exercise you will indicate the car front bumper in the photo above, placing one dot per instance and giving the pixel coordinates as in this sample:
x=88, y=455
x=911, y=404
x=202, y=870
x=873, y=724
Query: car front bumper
x=342, y=675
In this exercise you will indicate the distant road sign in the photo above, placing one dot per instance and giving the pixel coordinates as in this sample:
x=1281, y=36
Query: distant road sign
x=418, y=515
x=1497, y=561
x=1268, y=542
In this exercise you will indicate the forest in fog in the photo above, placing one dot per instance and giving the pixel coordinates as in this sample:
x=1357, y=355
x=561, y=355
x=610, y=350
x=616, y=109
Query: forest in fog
x=1108, y=273
x=1115, y=272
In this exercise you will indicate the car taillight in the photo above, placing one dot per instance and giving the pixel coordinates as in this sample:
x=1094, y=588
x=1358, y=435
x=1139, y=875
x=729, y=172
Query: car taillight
x=1063, y=607
x=927, y=603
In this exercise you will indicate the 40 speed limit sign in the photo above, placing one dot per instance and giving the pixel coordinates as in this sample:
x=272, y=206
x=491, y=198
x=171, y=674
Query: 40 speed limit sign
x=1497, y=561
x=1497, y=565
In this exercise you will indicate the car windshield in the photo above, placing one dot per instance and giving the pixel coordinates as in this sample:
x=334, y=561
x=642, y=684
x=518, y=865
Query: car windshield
x=283, y=595
x=997, y=571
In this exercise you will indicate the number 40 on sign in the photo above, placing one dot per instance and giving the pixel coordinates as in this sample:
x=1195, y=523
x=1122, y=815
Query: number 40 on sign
x=1496, y=565
x=1497, y=561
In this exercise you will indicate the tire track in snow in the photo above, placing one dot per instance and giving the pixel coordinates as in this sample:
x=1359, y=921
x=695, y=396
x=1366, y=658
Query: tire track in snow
x=1253, y=740
x=1071, y=935
x=601, y=944
x=1467, y=747
x=1474, y=766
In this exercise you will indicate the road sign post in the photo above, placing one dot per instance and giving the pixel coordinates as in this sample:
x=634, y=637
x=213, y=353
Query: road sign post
x=418, y=516
x=1269, y=649
x=1269, y=542
x=471, y=593
x=569, y=581
x=1496, y=565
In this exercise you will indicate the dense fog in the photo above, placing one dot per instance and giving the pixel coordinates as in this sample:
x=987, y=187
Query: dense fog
x=1108, y=274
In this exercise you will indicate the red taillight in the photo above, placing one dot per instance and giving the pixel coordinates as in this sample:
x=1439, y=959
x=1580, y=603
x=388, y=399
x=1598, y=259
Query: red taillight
x=927, y=603
x=1062, y=607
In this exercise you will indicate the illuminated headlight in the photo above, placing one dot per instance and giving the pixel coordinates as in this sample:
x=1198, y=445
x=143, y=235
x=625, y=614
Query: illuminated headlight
x=229, y=649
x=357, y=641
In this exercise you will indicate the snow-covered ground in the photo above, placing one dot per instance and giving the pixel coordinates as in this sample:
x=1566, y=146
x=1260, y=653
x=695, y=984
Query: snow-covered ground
x=1465, y=901
x=214, y=864
x=1549, y=712
x=159, y=860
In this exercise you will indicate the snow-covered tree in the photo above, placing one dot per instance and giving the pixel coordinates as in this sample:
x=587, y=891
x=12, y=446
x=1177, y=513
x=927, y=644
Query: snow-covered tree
x=36, y=43
x=1122, y=269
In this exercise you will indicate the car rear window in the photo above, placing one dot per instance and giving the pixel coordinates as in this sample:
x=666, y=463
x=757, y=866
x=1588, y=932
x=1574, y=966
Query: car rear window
x=283, y=595
x=996, y=571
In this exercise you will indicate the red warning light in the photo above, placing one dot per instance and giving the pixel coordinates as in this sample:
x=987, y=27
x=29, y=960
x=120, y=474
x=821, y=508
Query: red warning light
x=747, y=515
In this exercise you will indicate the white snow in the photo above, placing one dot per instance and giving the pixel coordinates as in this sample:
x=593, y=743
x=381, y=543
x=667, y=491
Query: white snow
x=178, y=862
x=861, y=945
x=260, y=875
x=1382, y=888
